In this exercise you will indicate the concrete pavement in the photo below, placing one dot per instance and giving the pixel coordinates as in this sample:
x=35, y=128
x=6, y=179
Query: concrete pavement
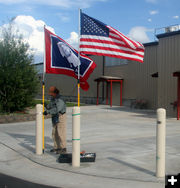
x=123, y=139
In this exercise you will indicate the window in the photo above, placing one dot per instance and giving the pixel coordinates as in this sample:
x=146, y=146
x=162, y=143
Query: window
x=110, y=61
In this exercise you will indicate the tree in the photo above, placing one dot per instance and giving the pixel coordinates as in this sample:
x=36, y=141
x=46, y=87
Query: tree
x=18, y=78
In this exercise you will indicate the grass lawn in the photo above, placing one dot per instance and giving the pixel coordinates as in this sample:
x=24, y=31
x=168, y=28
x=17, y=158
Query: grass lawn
x=68, y=104
x=37, y=101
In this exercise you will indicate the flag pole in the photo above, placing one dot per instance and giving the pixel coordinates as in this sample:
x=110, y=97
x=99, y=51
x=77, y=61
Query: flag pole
x=43, y=93
x=79, y=61
x=43, y=87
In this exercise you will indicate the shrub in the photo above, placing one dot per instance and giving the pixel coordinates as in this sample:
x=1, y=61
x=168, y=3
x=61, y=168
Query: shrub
x=18, y=78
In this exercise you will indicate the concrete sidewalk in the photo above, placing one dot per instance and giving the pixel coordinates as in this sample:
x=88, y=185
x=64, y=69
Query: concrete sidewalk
x=123, y=139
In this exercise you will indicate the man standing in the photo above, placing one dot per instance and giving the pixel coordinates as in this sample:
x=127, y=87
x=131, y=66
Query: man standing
x=57, y=109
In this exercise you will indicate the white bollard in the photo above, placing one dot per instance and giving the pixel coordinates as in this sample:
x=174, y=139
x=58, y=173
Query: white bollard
x=76, y=137
x=160, y=142
x=39, y=111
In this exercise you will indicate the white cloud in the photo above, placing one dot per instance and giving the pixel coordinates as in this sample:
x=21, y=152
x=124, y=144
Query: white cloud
x=149, y=20
x=153, y=12
x=73, y=40
x=176, y=17
x=139, y=34
x=59, y=3
x=33, y=33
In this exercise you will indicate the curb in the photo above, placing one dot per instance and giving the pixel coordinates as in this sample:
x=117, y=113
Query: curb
x=13, y=118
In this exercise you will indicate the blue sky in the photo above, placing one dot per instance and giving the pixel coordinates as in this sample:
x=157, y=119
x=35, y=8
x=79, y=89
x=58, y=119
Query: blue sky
x=134, y=18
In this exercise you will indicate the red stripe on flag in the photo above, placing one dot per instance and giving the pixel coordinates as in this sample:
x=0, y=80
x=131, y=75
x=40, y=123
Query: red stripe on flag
x=124, y=38
x=110, y=49
x=102, y=41
x=91, y=41
x=111, y=55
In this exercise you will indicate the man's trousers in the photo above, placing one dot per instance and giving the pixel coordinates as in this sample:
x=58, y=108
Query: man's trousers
x=59, y=133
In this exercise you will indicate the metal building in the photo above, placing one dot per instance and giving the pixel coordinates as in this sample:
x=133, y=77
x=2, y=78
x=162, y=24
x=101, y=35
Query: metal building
x=156, y=80
x=151, y=84
x=153, y=81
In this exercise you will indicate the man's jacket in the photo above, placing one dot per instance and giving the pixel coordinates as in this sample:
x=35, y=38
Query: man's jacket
x=55, y=107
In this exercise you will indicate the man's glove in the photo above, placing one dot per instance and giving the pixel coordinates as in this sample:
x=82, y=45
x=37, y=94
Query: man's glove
x=45, y=104
x=45, y=113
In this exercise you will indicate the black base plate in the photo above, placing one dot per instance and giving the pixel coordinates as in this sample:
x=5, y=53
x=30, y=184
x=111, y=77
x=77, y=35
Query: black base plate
x=86, y=157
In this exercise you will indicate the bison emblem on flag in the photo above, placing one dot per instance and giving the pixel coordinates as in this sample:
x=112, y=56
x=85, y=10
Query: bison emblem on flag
x=70, y=56
x=61, y=58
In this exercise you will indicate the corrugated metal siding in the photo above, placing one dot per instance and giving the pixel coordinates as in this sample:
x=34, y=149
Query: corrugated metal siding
x=168, y=62
x=138, y=83
x=163, y=57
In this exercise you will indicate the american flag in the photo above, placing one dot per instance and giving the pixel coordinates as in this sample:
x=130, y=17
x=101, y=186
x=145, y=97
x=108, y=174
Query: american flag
x=98, y=38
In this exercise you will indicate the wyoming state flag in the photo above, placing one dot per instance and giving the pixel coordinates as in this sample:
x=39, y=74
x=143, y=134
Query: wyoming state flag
x=61, y=58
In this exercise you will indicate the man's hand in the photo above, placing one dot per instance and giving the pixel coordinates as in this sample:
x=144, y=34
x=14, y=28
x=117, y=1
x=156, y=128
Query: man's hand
x=45, y=113
x=45, y=104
